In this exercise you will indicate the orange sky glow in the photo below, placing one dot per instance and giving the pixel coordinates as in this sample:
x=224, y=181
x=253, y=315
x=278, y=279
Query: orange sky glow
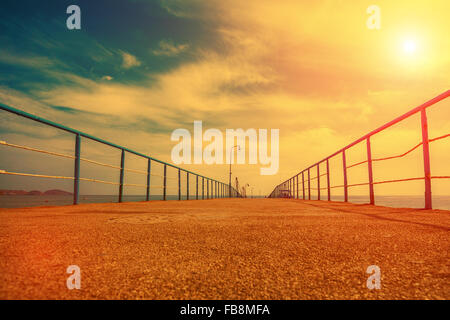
x=312, y=69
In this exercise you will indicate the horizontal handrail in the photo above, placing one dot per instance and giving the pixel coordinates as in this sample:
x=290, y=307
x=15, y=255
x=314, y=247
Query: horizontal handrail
x=289, y=184
x=4, y=143
x=91, y=137
x=214, y=188
x=408, y=114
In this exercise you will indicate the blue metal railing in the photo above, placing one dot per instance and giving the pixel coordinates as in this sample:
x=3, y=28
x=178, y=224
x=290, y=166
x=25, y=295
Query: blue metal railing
x=218, y=189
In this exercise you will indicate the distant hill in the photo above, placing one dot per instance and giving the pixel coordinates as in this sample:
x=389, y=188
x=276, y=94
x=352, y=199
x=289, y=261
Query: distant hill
x=54, y=192
x=13, y=192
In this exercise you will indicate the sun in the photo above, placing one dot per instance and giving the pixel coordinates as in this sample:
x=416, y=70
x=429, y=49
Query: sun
x=409, y=46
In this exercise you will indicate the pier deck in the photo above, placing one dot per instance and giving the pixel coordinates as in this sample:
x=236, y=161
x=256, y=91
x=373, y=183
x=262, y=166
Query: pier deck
x=224, y=249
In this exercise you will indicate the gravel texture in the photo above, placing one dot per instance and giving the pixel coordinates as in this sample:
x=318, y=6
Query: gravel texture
x=224, y=249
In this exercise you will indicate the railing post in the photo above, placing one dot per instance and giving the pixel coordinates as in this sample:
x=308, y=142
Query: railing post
x=369, y=166
x=344, y=167
x=203, y=188
x=303, y=184
x=196, y=187
x=293, y=187
x=207, y=189
x=426, y=160
x=165, y=182
x=318, y=181
x=309, y=185
x=149, y=168
x=295, y=181
x=297, y=186
x=179, y=184
x=289, y=187
x=328, y=180
x=187, y=185
x=76, y=176
x=122, y=167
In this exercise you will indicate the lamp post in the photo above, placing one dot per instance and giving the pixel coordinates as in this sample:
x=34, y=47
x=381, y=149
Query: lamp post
x=231, y=150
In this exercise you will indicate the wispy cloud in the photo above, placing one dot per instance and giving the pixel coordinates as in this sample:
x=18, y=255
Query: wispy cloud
x=309, y=68
x=30, y=61
x=129, y=61
x=168, y=48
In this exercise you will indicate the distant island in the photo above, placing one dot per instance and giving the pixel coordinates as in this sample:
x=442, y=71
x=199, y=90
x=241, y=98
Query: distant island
x=53, y=192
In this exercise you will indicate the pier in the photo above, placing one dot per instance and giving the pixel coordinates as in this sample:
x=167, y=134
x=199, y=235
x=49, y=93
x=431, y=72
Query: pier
x=224, y=246
x=224, y=249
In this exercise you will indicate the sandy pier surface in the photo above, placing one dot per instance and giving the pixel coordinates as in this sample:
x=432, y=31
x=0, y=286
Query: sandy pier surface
x=224, y=249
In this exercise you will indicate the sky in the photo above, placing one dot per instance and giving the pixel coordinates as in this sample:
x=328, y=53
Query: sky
x=137, y=70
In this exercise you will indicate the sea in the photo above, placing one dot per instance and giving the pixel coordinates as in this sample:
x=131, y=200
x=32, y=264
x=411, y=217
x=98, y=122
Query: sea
x=22, y=201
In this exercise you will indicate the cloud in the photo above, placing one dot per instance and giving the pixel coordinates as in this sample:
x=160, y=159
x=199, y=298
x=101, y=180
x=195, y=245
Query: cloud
x=167, y=48
x=310, y=69
x=129, y=61
x=26, y=61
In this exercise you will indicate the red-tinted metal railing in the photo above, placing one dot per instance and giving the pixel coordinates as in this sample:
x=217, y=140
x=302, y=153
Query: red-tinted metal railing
x=286, y=189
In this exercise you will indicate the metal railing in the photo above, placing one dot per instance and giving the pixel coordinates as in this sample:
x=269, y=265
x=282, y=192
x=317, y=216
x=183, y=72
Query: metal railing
x=290, y=187
x=214, y=188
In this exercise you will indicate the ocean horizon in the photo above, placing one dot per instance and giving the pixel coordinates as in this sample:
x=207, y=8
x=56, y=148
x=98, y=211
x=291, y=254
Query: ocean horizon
x=24, y=201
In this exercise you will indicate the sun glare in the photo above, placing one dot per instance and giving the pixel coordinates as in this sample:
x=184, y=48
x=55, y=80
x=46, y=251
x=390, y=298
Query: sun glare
x=409, y=46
